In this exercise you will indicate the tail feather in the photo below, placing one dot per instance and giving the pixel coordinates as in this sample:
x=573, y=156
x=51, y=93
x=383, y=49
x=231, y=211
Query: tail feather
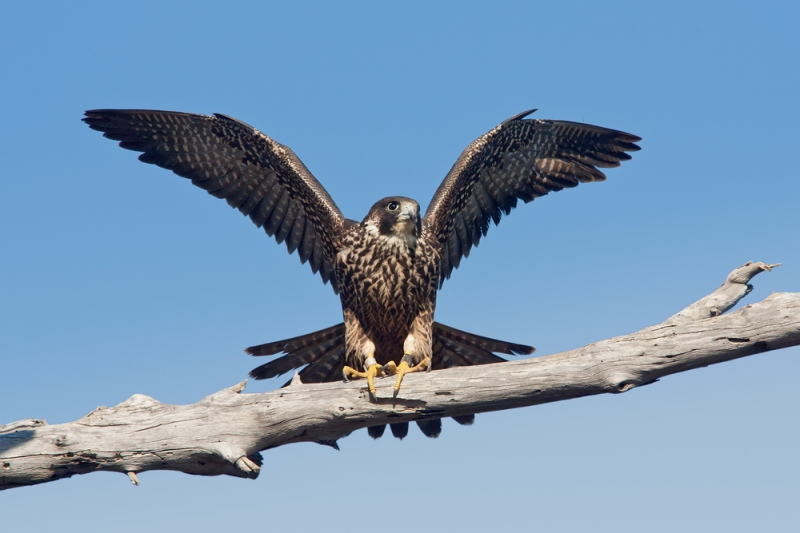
x=465, y=420
x=431, y=428
x=444, y=358
x=327, y=368
x=376, y=432
x=473, y=354
x=399, y=429
x=306, y=354
x=323, y=353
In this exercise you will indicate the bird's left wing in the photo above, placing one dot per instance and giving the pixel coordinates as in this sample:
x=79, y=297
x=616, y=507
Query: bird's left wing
x=232, y=160
x=520, y=159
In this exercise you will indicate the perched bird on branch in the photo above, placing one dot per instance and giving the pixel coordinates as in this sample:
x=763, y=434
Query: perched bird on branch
x=387, y=268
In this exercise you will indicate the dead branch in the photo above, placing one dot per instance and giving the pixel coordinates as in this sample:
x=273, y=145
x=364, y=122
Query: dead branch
x=223, y=433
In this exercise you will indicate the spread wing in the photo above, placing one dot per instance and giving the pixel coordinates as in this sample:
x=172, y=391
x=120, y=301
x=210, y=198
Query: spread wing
x=518, y=160
x=232, y=160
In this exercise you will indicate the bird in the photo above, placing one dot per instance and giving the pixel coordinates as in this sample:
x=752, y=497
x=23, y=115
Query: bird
x=388, y=268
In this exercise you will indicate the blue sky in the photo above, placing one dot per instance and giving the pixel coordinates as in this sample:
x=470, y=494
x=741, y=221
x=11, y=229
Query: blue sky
x=121, y=278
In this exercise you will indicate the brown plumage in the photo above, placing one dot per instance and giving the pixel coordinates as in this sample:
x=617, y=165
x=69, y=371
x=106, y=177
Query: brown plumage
x=451, y=347
x=387, y=268
x=323, y=354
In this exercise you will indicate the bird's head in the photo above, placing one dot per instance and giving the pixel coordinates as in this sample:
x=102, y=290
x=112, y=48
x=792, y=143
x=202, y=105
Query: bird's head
x=395, y=216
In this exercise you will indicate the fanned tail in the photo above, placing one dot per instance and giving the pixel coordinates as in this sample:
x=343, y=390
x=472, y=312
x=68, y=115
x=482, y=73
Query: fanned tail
x=323, y=353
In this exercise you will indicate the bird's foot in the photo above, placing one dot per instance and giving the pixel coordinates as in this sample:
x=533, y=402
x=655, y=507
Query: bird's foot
x=404, y=368
x=373, y=370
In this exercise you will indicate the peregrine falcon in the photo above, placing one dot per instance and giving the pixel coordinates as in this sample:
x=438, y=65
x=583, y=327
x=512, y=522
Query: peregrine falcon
x=387, y=268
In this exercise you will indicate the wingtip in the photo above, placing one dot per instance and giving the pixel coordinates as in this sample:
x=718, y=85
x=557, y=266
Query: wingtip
x=520, y=116
x=97, y=113
x=90, y=116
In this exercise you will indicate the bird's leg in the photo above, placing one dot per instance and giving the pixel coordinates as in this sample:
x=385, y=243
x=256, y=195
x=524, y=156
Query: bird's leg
x=417, y=344
x=372, y=368
x=405, y=368
x=364, y=350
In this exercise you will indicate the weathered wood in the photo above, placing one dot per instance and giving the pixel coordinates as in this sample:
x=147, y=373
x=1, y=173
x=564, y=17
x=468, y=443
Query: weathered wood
x=223, y=433
x=736, y=286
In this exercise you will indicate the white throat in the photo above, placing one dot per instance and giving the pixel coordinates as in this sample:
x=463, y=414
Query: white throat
x=403, y=239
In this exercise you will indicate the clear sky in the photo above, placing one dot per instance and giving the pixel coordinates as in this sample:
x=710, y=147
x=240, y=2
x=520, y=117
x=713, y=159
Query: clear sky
x=121, y=278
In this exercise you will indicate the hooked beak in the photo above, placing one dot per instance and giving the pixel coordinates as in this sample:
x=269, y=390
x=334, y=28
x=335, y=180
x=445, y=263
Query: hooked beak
x=409, y=212
x=408, y=221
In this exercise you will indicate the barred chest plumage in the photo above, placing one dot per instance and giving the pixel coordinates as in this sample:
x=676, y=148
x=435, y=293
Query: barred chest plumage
x=387, y=282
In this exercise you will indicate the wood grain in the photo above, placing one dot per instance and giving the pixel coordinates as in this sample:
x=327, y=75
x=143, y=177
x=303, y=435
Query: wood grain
x=224, y=432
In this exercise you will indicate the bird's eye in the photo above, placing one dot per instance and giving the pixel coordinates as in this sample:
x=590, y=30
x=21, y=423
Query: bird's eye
x=393, y=206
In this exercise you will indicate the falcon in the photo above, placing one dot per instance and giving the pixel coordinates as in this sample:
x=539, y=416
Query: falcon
x=388, y=268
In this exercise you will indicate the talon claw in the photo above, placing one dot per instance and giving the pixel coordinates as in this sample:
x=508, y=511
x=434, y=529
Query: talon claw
x=404, y=368
x=372, y=371
x=391, y=368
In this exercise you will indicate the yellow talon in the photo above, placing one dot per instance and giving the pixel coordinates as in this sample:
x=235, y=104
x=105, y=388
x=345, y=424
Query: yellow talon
x=391, y=368
x=372, y=371
x=403, y=368
x=350, y=373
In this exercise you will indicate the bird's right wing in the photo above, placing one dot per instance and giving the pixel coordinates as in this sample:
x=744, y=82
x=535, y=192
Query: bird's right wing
x=232, y=160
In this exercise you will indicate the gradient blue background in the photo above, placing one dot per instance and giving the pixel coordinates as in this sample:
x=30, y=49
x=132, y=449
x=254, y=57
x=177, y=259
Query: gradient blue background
x=121, y=278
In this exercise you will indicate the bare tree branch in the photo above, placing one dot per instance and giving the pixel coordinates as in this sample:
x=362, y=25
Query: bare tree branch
x=223, y=433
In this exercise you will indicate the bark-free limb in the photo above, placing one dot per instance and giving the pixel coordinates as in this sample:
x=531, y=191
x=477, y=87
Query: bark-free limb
x=223, y=433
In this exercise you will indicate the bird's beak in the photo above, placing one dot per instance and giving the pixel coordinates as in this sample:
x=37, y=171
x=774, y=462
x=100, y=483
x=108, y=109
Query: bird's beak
x=409, y=212
x=408, y=220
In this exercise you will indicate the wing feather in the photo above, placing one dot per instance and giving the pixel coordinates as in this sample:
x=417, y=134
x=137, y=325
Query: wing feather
x=307, y=244
x=463, y=235
x=521, y=159
x=261, y=213
x=453, y=249
x=288, y=221
x=233, y=161
x=295, y=236
x=317, y=258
